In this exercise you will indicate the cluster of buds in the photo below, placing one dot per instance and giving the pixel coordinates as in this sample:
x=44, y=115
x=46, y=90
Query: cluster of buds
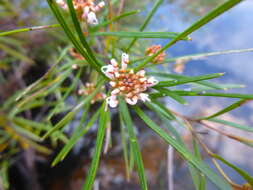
x=86, y=9
x=153, y=50
x=127, y=83
x=88, y=89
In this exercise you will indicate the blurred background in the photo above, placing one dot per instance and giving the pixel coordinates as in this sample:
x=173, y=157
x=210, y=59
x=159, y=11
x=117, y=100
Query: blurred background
x=25, y=57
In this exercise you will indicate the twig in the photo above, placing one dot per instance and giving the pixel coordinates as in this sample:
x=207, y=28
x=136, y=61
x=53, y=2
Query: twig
x=34, y=28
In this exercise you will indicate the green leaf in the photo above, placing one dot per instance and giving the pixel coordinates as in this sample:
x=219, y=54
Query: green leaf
x=34, y=28
x=36, y=125
x=208, y=84
x=160, y=108
x=81, y=34
x=134, y=143
x=70, y=89
x=226, y=110
x=71, y=114
x=201, y=182
x=146, y=21
x=232, y=124
x=201, y=22
x=188, y=80
x=98, y=149
x=47, y=75
x=114, y=19
x=217, y=180
x=70, y=35
x=199, y=56
x=125, y=146
x=15, y=53
x=132, y=34
x=173, y=95
x=78, y=133
x=244, y=174
x=4, y=176
x=214, y=94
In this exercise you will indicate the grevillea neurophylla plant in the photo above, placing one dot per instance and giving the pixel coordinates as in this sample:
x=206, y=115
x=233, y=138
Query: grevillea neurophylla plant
x=88, y=74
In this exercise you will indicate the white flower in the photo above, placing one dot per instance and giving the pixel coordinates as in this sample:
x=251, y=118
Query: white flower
x=87, y=7
x=126, y=83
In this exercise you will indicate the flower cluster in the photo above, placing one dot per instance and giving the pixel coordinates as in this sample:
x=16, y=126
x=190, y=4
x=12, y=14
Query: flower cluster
x=85, y=8
x=127, y=83
x=153, y=50
x=88, y=89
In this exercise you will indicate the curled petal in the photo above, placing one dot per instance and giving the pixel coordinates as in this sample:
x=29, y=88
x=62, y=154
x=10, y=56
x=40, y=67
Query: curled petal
x=143, y=79
x=152, y=81
x=144, y=97
x=113, y=84
x=86, y=11
x=115, y=91
x=112, y=101
x=99, y=6
x=114, y=63
x=92, y=19
x=124, y=60
x=141, y=73
x=117, y=74
x=132, y=101
x=108, y=70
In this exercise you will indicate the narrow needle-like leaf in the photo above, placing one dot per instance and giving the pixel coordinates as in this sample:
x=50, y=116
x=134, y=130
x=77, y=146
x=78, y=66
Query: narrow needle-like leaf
x=201, y=22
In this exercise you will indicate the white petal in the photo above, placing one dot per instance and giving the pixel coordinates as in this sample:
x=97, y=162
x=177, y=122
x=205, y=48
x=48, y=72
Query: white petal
x=124, y=60
x=144, y=97
x=86, y=11
x=114, y=63
x=115, y=91
x=152, y=81
x=122, y=88
x=107, y=70
x=99, y=6
x=132, y=101
x=117, y=74
x=125, y=57
x=141, y=73
x=62, y=4
x=112, y=101
x=113, y=84
x=143, y=79
x=92, y=19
